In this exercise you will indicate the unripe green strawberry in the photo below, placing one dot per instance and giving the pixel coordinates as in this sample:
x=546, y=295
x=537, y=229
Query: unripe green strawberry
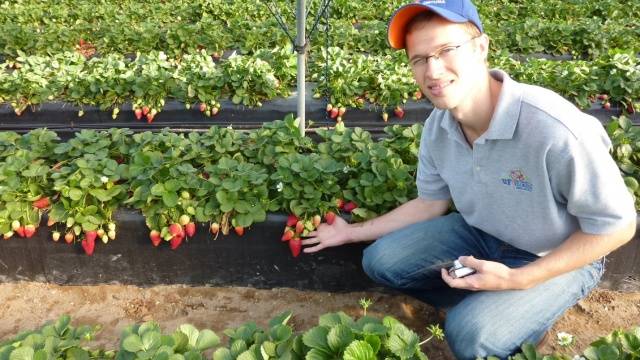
x=15, y=224
x=100, y=232
x=55, y=236
x=185, y=195
x=184, y=219
x=111, y=234
x=111, y=226
x=7, y=235
x=104, y=238
x=70, y=221
x=77, y=229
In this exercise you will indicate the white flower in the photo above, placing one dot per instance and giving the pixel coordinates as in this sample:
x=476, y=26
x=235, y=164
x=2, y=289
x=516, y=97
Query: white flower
x=578, y=357
x=565, y=339
x=280, y=186
x=230, y=127
x=104, y=179
x=345, y=169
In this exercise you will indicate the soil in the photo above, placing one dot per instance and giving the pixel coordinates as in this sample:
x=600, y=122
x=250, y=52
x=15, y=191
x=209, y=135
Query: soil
x=28, y=305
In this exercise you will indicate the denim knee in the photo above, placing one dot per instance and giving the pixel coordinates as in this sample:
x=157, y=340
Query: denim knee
x=378, y=266
x=469, y=338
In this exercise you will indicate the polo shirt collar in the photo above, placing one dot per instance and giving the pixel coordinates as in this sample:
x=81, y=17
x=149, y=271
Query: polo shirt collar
x=505, y=116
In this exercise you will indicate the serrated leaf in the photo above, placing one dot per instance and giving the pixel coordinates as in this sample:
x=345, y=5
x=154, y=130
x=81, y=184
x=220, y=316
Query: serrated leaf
x=207, y=340
x=339, y=337
x=317, y=338
x=359, y=350
x=132, y=343
x=191, y=332
x=222, y=354
x=402, y=341
x=22, y=353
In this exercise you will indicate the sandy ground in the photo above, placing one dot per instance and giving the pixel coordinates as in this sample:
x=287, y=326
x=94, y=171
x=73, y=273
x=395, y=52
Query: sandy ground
x=28, y=305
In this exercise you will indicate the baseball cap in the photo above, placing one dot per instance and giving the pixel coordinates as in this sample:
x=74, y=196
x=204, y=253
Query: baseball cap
x=458, y=11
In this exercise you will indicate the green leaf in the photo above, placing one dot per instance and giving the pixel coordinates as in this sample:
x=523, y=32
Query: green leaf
x=222, y=354
x=22, y=353
x=191, y=332
x=317, y=354
x=317, y=338
x=359, y=350
x=62, y=324
x=281, y=319
x=170, y=199
x=76, y=353
x=75, y=194
x=402, y=341
x=280, y=333
x=132, y=343
x=150, y=340
x=374, y=341
x=207, y=340
x=339, y=337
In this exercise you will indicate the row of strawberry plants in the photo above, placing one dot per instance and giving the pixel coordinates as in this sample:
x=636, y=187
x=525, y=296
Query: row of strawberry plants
x=349, y=79
x=337, y=336
x=179, y=27
x=227, y=178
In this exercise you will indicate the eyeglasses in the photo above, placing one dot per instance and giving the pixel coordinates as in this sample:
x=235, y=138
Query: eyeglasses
x=444, y=54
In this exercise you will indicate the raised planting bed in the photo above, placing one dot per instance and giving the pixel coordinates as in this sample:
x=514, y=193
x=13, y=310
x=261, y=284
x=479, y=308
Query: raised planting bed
x=256, y=259
x=63, y=117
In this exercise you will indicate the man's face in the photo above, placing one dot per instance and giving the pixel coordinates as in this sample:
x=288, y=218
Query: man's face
x=449, y=78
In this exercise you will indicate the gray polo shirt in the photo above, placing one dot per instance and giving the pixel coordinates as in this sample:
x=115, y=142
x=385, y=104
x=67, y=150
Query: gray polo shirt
x=539, y=173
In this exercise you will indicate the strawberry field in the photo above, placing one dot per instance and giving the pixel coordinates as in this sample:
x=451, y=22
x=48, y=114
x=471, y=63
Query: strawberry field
x=157, y=138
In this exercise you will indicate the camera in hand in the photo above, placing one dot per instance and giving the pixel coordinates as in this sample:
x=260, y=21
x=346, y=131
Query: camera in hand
x=459, y=271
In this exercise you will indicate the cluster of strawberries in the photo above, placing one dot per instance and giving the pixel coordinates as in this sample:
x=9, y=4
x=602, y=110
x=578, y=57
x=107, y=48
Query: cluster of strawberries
x=297, y=228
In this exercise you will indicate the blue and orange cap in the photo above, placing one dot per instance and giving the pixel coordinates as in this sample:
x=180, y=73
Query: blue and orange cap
x=459, y=11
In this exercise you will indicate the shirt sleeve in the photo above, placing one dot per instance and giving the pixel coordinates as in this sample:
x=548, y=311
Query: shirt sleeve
x=431, y=186
x=588, y=180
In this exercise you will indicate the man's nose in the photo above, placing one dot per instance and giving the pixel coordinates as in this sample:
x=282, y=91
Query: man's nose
x=434, y=68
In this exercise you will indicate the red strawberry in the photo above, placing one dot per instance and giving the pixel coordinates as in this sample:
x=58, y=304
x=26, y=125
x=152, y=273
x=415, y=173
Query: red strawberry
x=91, y=235
x=29, y=230
x=190, y=229
x=239, y=230
x=203, y=107
x=215, y=227
x=299, y=227
x=330, y=217
x=340, y=203
x=292, y=220
x=154, y=235
x=145, y=110
x=288, y=235
x=295, y=245
x=88, y=244
x=350, y=206
x=399, y=112
x=606, y=105
x=138, y=113
x=21, y=231
x=176, y=230
x=176, y=240
x=333, y=113
x=68, y=237
x=41, y=203
x=214, y=110
x=151, y=115
x=418, y=94
x=316, y=220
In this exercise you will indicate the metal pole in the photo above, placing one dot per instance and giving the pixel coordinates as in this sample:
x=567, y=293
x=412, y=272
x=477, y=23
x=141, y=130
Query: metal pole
x=300, y=42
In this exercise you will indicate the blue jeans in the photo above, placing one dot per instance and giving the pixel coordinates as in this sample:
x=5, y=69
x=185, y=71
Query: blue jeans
x=478, y=323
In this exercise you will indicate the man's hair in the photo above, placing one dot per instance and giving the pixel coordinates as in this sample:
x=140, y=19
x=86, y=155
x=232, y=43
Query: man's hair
x=423, y=18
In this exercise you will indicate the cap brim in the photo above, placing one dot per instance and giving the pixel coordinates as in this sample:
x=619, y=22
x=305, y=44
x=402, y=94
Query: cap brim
x=401, y=18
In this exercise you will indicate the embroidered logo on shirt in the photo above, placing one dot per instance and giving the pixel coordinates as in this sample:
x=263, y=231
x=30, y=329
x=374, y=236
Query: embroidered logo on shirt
x=518, y=180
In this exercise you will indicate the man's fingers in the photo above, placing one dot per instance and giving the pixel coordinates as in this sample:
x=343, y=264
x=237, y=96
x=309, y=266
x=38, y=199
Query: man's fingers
x=310, y=241
x=313, y=249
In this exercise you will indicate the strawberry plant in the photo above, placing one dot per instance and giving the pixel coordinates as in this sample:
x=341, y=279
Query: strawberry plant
x=24, y=181
x=274, y=139
x=90, y=189
x=146, y=341
x=249, y=81
x=625, y=139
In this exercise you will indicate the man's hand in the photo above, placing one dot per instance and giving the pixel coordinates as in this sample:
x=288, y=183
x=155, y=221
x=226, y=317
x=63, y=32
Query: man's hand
x=490, y=275
x=327, y=236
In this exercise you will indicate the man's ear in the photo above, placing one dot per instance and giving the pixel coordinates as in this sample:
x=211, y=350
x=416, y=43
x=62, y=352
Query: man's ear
x=482, y=43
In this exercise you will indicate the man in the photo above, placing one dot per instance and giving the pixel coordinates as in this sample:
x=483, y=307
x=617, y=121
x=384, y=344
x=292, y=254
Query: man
x=540, y=200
